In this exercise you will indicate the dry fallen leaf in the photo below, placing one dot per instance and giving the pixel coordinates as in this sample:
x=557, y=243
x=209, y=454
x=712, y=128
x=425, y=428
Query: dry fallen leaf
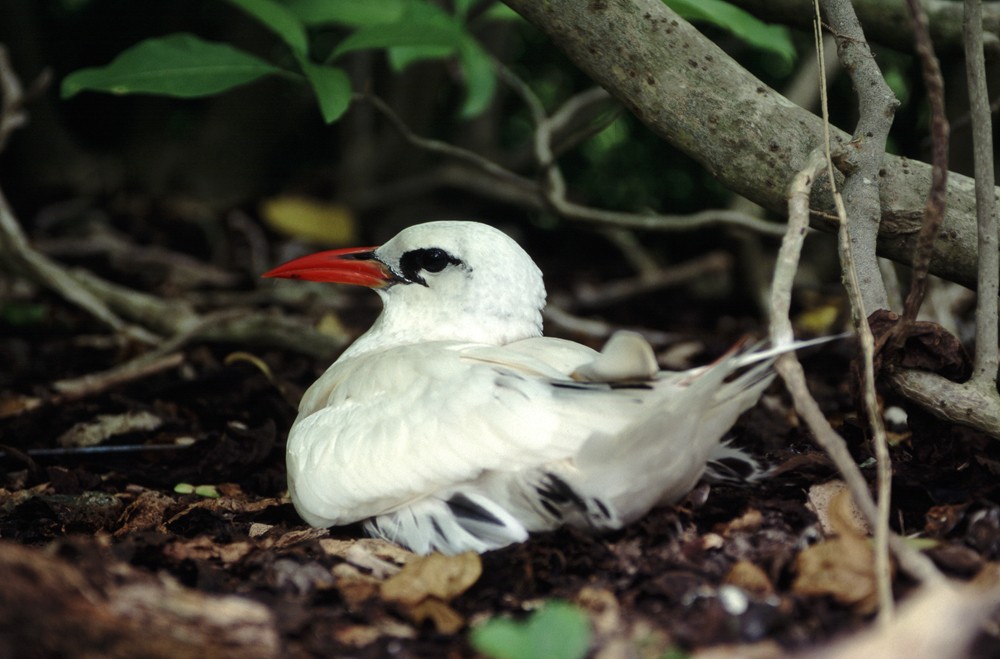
x=434, y=575
x=750, y=578
x=426, y=583
x=377, y=557
x=821, y=498
x=842, y=567
x=145, y=513
x=203, y=548
x=104, y=426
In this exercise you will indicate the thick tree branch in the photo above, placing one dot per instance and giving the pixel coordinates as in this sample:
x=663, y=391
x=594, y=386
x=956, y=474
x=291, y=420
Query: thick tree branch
x=876, y=108
x=886, y=21
x=752, y=139
x=984, y=369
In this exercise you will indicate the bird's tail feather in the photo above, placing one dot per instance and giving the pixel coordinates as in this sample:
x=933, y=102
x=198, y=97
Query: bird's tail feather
x=662, y=455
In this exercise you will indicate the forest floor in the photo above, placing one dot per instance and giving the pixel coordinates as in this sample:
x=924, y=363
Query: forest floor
x=183, y=542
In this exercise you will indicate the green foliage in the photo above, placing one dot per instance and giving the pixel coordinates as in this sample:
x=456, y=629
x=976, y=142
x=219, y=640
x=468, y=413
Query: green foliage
x=556, y=631
x=180, y=65
x=185, y=66
x=743, y=25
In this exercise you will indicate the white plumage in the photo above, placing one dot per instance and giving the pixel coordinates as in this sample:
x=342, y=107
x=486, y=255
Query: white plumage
x=452, y=425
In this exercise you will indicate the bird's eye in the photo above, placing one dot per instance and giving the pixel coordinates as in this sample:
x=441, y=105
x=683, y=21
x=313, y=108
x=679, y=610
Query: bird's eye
x=434, y=260
x=431, y=259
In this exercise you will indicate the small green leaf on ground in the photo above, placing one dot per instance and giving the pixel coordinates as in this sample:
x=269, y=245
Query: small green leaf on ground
x=558, y=630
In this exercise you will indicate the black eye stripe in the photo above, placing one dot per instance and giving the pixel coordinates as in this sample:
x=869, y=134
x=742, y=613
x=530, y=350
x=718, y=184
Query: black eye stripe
x=432, y=259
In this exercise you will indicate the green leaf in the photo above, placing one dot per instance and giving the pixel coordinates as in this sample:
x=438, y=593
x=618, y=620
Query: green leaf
x=332, y=88
x=463, y=7
x=180, y=65
x=480, y=78
x=407, y=33
x=357, y=13
x=401, y=57
x=207, y=491
x=770, y=38
x=556, y=631
x=277, y=18
x=501, y=12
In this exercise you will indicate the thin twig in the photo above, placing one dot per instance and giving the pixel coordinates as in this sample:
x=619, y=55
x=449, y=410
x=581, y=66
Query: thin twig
x=788, y=366
x=984, y=369
x=708, y=265
x=554, y=194
x=883, y=567
x=934, y=210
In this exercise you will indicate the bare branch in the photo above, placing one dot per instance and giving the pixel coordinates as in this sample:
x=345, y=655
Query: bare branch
x=857, y=237
x=984, y=369
x=554, y=194
x=885, y=21
x=934, y=210
x=743, y=132
x=876, y=107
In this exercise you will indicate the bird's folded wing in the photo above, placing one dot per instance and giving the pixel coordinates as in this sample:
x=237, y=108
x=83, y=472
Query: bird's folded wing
x=379, y=432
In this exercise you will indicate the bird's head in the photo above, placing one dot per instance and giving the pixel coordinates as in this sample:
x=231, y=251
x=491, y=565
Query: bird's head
x=461, y=281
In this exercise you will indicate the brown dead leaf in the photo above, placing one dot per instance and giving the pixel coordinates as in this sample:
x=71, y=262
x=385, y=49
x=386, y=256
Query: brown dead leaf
x=434, y=575
x=15, y=404
x=749, y=521
x=228, y=504
x=144, y=514
x=203, y=548
x=379, y=558
x=941, y=520
x=359, y=636
x=842, y=567
x=426, y=583
x=354, y=585
x=929, y=347
x=445, y=619
x=821, y=501
x=749, y=577
x=297, y=536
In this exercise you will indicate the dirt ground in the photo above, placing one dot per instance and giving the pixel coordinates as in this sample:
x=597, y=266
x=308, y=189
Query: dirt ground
x=181, y=542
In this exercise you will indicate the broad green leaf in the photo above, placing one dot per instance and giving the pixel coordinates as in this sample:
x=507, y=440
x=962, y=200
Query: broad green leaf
x=401, y=57
x=277, y=18
x=399, y=34
x=463, y=7
x=180, y=65
x=480, y=78
x=332, y=88
x=501, y=12
x=556, y=631
x=771, y=38
x=357, y=13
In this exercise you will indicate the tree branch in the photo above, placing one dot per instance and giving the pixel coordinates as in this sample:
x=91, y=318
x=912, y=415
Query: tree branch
x=744, y=133
x=984, y=369
x=885, y=21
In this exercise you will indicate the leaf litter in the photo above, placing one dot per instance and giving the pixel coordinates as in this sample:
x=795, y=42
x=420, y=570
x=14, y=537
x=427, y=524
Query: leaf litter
x=117, y=563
